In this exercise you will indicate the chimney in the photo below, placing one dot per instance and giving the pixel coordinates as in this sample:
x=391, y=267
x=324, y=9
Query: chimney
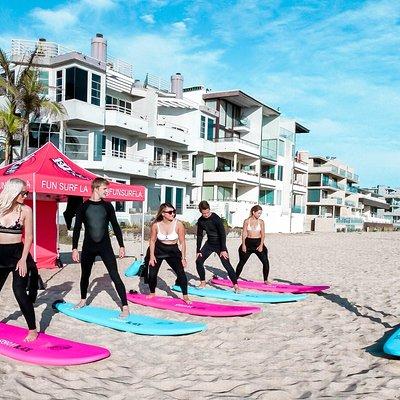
x=99, y=47
x=177, y=85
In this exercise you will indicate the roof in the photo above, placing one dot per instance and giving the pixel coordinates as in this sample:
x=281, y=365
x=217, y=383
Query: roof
x=374, y=203
x=176, y=103
x=49, y=171
x=241, y=99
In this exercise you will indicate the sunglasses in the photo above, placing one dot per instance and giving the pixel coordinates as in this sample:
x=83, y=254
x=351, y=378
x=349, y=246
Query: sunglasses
x=25, y=193
x=170, y=212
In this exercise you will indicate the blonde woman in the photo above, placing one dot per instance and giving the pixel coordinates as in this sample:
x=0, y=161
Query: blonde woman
x=16, y=217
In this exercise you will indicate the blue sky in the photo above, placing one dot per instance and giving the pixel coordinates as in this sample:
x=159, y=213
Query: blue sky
x=332, y=65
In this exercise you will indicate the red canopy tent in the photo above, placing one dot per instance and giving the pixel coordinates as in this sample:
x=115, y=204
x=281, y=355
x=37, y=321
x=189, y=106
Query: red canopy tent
x=51, y=177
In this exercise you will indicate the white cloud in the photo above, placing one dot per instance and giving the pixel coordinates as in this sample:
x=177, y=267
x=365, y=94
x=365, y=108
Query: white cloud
x=148, y=18
x=179, y=26
x=56, y=19
x=100, y=4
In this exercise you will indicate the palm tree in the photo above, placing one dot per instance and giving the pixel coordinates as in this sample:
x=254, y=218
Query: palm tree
x=10, y=124
x=26, y=95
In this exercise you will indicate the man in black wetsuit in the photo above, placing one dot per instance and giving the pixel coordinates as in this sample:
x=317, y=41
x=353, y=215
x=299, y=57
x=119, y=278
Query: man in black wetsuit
x=96, y=214
x=216, y=243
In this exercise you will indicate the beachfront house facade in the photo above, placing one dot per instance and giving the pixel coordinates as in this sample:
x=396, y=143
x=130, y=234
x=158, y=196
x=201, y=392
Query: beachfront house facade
x=392, y=198
x=183, y=144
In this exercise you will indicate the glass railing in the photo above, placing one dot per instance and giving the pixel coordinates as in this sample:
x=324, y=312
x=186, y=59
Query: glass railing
x=349, y=220
x=341, y=186
x=338, y=200
x=342, y=172
x=352, y=189
x=329, y=182
x=271, y=154
x=350, y=203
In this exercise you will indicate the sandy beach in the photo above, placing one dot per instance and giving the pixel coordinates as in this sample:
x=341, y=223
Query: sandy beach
x=327, y=346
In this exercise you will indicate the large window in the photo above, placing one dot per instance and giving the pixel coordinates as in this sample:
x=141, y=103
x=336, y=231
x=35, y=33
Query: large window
x=168, y=194
x=202, y=126
x=118, y=147
x=99, y=142
x=224, y=164
x=59, y=85
x=43, y=78
x=207, y=193
x=210, y=129
x=76, y=144
x=208, y=163
x=280, y=173
x=314, y=195
x=229, y=114
x=41, y=133
x=153, y=199
x=96, y=89
x=266, y=197
x=76, y=84
x=224, y=193
x=179, y=200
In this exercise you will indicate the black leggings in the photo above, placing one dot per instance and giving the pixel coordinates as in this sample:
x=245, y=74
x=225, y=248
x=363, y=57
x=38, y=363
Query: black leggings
x=251, y=247
x=174, y=260
x=206, y=251
x=19, y=283
x=105, y=251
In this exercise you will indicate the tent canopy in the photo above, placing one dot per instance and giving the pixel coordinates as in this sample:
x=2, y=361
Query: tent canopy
x=49, y=171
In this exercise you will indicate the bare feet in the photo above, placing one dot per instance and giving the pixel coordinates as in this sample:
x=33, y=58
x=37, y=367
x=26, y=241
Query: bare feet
x=187, y=300
x=269, y=282
x=32, y=335
x=202, y=285
x=81, y=304
x=150, y=296
x=236, y=288
x=125, y=312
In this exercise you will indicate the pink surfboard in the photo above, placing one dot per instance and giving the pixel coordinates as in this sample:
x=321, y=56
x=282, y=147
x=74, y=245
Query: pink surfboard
x=46, y=349
x=194, y=308
x=274, y=287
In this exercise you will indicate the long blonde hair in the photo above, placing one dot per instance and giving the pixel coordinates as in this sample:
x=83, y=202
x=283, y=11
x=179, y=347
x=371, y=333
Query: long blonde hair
x=11, y=190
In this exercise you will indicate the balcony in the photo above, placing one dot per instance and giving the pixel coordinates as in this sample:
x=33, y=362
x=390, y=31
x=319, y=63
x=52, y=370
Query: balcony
x=240, y=177
x=269, y=180
x=236, y=145
x=330, y=183
x=331, y=201
x=350, y=203
x=243, y=126
x=324, y=169
x=118, y=161
x=300, y=166
x=299, y=187
x=351, y=189
x=81, y=112
x=171, y=132
x=171, y=170
x=269, y=154
x=125, y=120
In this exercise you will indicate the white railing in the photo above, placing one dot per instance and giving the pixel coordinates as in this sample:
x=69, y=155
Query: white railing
x=234, y=139
x=176, y=127
x=157, y=82
x=184, y=165
x=20, y=47
x=125, y=155
x=125, y=110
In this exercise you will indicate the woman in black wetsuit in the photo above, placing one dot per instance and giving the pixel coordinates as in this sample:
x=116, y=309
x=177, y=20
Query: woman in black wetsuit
x=253, y=236
x=16, y=217
x=96, y=214
x=166, y=232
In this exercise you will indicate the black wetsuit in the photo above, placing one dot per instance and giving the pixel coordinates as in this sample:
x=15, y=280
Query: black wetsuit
x=251, y=247
x=96, y=216
x=216, y=242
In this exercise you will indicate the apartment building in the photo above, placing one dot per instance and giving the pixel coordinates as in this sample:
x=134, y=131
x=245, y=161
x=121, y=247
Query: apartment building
x=335, y=201
x=183, y=144
x=392, y=198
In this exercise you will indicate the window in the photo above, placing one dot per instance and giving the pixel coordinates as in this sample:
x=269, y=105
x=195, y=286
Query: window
x=194, y=165
x=99, y=141
x=118, y=147
x=59, y=85
x=96, y=89
x=158, y=155
x=266, y=197
x=41, y=133
x=76, y=144
x=210, y=129
x=202, y=126
x=119, y=104
x=153, y=199
x=120, y=206
x=281, y=148
x=278, y=200
x=76, y=82
x=313, y=195
x=168, y=194
x=280, y=173
x=43, y=78
x=179, y=200
x=224, y=164
x=268, y=171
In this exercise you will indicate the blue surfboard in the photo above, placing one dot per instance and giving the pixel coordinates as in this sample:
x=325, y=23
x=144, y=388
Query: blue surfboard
x=133, y=269
x=135, y=323
x=249, y=297
x=392, y=345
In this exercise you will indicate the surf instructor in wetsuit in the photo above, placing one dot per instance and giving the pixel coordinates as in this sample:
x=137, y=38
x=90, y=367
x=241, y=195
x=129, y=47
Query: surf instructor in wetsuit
x=96, y=214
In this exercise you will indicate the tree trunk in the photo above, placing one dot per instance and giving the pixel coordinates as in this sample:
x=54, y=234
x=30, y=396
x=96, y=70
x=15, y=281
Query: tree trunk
x=8, y=150
x=25, y=138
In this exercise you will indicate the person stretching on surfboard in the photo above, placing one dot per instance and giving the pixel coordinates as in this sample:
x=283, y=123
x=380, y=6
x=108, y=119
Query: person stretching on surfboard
x=16, y=217
x=253, y=236
x=216, y=243
x=96, y=214
x=166, y=231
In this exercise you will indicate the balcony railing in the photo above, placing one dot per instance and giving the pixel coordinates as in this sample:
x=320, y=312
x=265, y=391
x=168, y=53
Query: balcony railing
x=352, y=189
x=329, y=182
x=350, y=220
x=298, y=209
x=270, y=154
x=350, y=203
x=125, y=110
x=237, y=140
x=172, y=126
x=184, y=165
x=125, y=155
